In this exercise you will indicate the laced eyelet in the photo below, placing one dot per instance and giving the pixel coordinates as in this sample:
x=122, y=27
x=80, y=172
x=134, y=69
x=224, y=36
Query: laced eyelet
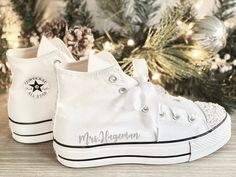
x=145, y=109
x=161, y=114
x=191, y=118
x=122, y=90
x=112, y=79
x=56, y=62
x=176, y=116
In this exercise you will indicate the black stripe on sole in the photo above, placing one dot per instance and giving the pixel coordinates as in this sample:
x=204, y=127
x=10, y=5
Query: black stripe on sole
x=29, y=123
x=39, y=134
x=120, y=156
x=149, y=142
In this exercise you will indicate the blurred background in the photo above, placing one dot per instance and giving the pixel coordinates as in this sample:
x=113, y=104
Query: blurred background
x=189, y=44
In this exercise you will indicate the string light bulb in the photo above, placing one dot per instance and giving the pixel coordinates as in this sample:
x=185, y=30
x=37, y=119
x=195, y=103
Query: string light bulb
x=196, y=53
x=228, y=24
x=198, y=5
x=107, y=45
x=189, y=29
x=130, y=42
x=234, y=62
x=190, y=32
x=191, y=25
x=156, y=77
x=179, y=22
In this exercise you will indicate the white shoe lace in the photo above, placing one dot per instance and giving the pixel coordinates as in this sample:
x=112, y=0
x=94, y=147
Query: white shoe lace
x=143, y=96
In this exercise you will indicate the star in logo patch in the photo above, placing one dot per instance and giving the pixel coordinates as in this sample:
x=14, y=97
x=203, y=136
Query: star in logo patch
x=36, y=86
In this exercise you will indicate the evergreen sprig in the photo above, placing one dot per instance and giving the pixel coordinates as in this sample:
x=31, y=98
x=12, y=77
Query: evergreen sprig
x=224, y=9
x=4, y=70
x=131, y=16
x=76, y=13
x=114, y=11
x=139, y=12
x=218, y=87
x=221, y=87
x=163, y=53
x=31, y=13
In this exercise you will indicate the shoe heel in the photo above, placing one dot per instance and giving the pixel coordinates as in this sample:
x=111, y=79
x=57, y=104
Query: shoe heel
x=34, y=132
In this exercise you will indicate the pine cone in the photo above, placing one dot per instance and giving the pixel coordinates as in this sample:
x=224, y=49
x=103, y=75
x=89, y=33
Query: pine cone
x=55, y=28
x=79, y=40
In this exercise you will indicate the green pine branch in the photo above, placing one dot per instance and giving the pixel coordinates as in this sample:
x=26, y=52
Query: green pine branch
x=163, y=51
x=131, y=16
x=220, y=88
x=31, y=13
x=114, y=11
x=224, y=9
x=230, y=44
x=167, y=31
x=76, y=13
x=141, y=11
x=4, y=70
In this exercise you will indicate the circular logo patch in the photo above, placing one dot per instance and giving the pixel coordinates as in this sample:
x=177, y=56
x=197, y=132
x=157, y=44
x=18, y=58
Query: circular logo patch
x=36, y=87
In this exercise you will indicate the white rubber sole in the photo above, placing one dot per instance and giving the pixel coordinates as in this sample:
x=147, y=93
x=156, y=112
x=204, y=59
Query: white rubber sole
x=34, y=132
x=169, y=152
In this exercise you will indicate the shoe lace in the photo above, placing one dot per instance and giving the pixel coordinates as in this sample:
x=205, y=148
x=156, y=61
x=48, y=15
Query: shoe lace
x=142, y=96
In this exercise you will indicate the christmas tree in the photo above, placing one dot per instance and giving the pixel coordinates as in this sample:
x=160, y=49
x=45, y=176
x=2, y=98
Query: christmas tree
x=187, y=54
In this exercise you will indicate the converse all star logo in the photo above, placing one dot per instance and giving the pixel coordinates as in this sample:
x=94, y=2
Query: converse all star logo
x=36, y=87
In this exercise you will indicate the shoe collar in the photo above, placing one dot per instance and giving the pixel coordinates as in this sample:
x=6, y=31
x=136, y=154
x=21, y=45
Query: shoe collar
x=47, y=49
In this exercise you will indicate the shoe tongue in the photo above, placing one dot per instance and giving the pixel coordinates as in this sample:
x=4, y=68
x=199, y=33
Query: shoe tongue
x=140, y=69
x=49, y=45
x=45, y=46
x=100, y=61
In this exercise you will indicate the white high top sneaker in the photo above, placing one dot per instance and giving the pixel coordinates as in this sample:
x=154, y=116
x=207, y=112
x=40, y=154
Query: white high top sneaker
x=106, y=117
x=33, y=93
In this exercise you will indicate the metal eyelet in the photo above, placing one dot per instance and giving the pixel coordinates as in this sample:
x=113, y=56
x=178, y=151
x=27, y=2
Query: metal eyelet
x=176, y=116
x=56, y=62
x=122, y=90
x=145, y=109
x=112, y=79
x=191, y=118
x=161, y=114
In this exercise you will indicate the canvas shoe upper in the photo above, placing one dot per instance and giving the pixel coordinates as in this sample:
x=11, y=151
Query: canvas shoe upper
x=33, y=92
x=107, y=117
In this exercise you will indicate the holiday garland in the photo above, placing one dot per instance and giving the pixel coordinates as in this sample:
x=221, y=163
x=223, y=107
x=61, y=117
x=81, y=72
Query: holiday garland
x=30, y=13
x=186, y=55
x=4, y=70
x=165, y=49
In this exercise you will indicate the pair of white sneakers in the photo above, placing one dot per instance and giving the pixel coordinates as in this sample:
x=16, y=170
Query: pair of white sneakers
x=97, y=115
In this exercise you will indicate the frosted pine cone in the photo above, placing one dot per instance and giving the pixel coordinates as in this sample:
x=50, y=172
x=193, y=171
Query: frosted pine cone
x=79, y=40
x=55, y=28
